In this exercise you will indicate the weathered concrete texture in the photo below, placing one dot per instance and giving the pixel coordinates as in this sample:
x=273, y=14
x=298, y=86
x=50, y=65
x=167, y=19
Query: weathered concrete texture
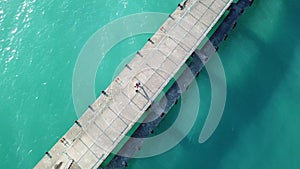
x=96, y=134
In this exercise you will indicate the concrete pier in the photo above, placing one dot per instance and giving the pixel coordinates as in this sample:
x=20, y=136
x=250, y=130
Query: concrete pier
x=106, y=122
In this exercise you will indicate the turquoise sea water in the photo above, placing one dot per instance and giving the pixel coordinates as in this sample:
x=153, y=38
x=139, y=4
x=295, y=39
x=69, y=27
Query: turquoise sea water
x=41, y=40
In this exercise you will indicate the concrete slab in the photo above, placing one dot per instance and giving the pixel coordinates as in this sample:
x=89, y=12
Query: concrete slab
x=140, y=100
x=217, y=6
x=99, y=103
x=177, y=14
x=124, y=77
x=88, y=160
x=119, y=101
x=198, y=10
x=198, y=29
x=168, y=25
x=86, y=118
x=207, y=2
x=142, y=76
x=119, y=125
x=93, y=131
x=208, y=18
x=77, y=150
x=227, y=1
x=108, y=116
x=155, y=58
x=169, y=44
x=136, y=63
x=112, y=133
x=167, y=68
x=155, y=82
x=188, y=41
x=129, y=114
x=104, y=142
x=188, y=22
x=99, y=152
x=73, y=133
x=177, y=55
x=157, y=37
x=87, y=140
x=177, y=33
x=101, y=122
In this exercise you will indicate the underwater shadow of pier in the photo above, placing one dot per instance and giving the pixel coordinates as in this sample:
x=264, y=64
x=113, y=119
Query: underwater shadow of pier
x=272, y=64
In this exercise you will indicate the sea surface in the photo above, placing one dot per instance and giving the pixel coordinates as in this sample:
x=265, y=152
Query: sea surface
x=40, y=42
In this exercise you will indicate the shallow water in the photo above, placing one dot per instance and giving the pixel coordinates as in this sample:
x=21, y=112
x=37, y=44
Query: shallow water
x=259, y=128
x=39, y=45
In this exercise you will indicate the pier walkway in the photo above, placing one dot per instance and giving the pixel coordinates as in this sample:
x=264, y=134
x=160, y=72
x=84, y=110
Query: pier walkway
x=101, y=128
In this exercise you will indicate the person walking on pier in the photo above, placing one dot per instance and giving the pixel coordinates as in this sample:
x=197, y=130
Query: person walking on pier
x=183, y=6
x=137, y=86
